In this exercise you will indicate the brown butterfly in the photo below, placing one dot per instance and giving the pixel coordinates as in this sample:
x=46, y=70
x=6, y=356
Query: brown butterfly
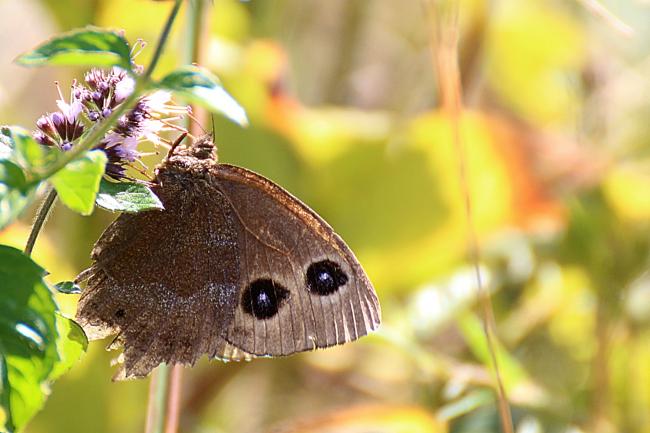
x=234, y=267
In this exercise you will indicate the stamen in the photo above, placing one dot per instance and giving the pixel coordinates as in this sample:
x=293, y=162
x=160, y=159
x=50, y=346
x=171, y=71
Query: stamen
x=138, y=46
x=58, y=89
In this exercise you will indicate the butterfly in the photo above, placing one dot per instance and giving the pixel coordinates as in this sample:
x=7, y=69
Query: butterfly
x=234, y=267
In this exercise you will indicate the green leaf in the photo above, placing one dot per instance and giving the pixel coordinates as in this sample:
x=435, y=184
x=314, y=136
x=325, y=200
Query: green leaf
x=12, y=200
x=67, y=287
x=27, y=336
x=200, y=86
x=6, y=143
x=25, y=150
x=16, y=148
x=11, y=174
x=90, y=46
x=77, y=183
x=37, y=344
x=512, y=372
x=70, y=345
x=126, y=197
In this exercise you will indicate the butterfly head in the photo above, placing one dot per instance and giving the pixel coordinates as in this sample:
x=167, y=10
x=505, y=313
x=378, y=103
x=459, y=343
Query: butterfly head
x=196, y=157
x=203, y=148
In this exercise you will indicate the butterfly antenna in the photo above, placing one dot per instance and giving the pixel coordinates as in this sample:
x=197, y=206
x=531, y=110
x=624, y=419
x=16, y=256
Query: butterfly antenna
x=214, y=130
x=175, y=144
x=191, y=115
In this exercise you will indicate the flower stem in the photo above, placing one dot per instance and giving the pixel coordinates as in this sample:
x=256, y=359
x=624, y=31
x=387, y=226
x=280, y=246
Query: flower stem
x=41, y=217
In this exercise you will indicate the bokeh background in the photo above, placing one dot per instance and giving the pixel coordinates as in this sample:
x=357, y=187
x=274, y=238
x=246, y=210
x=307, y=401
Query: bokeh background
x=345, y=103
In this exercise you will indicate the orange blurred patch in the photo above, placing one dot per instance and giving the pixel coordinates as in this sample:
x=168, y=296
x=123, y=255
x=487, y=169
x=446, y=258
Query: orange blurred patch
x=373, y=418
x=533, y=205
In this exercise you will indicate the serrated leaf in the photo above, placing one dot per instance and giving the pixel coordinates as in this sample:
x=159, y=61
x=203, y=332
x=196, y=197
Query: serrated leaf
x=89, y=46
x=27, y=336
x=68, y=287
x=200, y=86
x=126, y=197
x=77, y=183
x=71, y=343
x=37, y=344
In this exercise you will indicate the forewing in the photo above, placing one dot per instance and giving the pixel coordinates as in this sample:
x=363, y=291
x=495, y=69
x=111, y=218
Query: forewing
x=280, y=238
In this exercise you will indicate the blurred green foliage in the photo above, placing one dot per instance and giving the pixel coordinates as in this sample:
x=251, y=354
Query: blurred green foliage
x=344, y=113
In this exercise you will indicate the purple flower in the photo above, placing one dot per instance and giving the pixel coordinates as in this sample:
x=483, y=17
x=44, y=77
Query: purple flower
x=61, y=128
x=124, y=88
x=107, y=89
x=96, y=99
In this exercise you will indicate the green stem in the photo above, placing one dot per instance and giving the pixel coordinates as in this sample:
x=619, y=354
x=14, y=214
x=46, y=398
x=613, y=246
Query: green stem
x=160, y=399
x=162, y=40
x=41, y=217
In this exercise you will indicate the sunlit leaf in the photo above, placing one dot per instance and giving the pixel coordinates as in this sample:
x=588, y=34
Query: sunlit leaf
x=466, y=404
x=26, y=151
x=126, y=197
x=82, y=47
x=27, y=336
x=11, y=174
x=13, y=202
x=14, y=194
x=67, y=287
x=512, y=372
x=78, y=182
x=200, y=86
x=71, y=343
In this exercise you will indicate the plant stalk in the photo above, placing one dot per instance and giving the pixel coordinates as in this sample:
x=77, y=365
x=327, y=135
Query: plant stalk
x=170, y=401
x=158, y=400
x=41, y=217
x=164, y=400
x=162, y=40
x=444, y=47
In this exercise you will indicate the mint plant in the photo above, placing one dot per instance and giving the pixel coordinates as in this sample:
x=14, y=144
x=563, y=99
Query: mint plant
x=78, y=155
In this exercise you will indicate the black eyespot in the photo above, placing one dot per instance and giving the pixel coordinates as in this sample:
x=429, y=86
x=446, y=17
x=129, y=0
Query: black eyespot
x=119, y=313
x=325, y=277
x=263, y=298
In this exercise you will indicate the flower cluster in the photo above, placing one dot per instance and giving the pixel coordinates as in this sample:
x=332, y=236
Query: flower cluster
x=93, y=101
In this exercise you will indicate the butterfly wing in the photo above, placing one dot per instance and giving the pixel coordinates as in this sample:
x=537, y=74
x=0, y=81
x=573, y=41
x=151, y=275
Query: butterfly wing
x=149, y=282
x=301, y=286
x=234, y=267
